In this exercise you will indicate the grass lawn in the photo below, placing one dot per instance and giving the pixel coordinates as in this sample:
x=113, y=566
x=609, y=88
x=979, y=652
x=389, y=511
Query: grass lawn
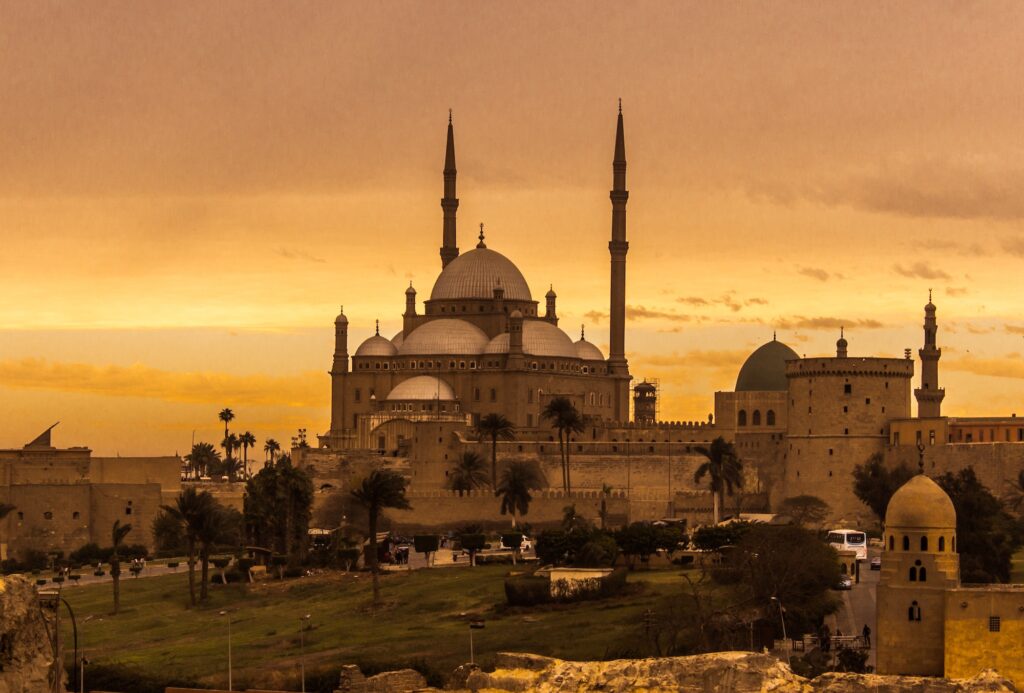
x=420, y=620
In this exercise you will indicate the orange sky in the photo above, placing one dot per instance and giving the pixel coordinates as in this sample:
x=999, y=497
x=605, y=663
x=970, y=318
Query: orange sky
x=189, y=190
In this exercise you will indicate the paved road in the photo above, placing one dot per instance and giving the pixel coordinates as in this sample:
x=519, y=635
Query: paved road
x=859, y=605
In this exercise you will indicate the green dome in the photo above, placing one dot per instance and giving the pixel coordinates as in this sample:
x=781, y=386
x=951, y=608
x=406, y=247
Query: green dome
x=765, y=369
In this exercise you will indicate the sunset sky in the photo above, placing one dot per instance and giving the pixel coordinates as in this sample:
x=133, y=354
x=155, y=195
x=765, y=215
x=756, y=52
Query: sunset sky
x=188, y=191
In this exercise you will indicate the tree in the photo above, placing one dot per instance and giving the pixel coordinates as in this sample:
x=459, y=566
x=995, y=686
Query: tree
x=117, y=535
x=202, y=458
x=563, y=416
x=495, y=426
x=5, y=510
x=190, y=510
x=382, y=489
x=987, y=536
x=271, y=448
x=641, y=539
x=277, y=506
x=470, y=472
x=1014, y=496
x=217, y=525
x=519, y=478
x=248, y=440
x=874, y=483
x=226, y=415
x=603, y=512
x=168, y=534
x=806, y=511
x=723, y=469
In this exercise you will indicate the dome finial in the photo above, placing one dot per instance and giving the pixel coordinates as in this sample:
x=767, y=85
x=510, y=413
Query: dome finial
x=620, y=105
x=840, y=329
x=481, y=244
x=929, y=295
x=449, y=116
x=378, y=328
x=774, y=336
x=342, y=311
x=583, y=332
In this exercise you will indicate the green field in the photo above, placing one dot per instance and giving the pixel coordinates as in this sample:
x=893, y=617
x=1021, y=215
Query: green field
x=424, y=618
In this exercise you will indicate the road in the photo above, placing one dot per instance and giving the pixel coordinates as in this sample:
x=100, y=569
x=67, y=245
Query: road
x=859, y=605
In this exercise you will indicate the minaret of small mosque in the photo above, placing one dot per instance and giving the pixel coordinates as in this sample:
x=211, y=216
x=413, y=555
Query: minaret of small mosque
x=449, y=203
x=409, y=317
x=841, y=345
x=618, y=247
x=549, y=314
x=340, y=364
x=929, y=395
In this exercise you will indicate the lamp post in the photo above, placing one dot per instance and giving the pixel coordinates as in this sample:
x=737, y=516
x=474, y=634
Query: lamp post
x=230, y=681
x=782, y=617
x=475, y=624
x=303, y=622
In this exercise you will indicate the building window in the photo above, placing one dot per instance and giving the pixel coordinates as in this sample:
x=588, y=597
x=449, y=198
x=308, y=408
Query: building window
x=906, y=543
x=867, y=400
x=993, y=624
x=494, y=395
x=847, y=389
x=529, y=396
x=942, y=543
x=358, y=395
x=75, y=515
x=757, y=417
x=892, y=543
x=922, y=575
x=914, y=612
x=48, y=515
x=529, y=424
x=954, y=545
x=931, y=437
x=476, y=394
x=846, y=431
x=21, y=515
x=924, y=543
x=741, y=418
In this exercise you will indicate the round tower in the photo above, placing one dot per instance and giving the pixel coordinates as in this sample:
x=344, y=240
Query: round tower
x=919, y=565
x=645, y=403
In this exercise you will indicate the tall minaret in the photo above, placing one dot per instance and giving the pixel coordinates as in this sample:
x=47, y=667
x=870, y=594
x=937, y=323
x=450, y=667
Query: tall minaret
x=929, y=395
x=618, y=248
x=449, y=203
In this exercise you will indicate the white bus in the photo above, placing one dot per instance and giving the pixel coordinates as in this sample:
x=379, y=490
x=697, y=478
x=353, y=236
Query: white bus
x=849, y=540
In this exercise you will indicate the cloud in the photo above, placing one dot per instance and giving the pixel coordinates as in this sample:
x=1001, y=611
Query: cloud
x=300, y=390
x=703, y=358
x=979, y=330
x=1014, y=329
x=799, y=322
x=641, y=313
x=756, y=302
x=814, y=273
x=956, y=290
x=1009, y=366
x=693, y=301
x=920, y=270
x=295, y=254
x=728, y=300
x=1014, y=246
x=970, y=249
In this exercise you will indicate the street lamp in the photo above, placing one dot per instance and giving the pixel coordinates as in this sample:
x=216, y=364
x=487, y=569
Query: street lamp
x=782, y=617
x=303, y=624
x=228, y=615
x=475, y=624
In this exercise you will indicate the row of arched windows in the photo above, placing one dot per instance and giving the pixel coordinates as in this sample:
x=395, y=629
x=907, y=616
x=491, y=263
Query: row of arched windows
x=923, y=543
x=741, y=418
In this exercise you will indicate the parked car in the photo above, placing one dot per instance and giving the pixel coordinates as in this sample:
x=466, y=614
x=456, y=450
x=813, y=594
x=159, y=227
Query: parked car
x=876, y=563
x=845, y=583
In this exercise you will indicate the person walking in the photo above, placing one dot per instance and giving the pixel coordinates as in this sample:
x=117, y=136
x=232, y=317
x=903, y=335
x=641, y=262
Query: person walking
x=825, y=638
x=867, y=636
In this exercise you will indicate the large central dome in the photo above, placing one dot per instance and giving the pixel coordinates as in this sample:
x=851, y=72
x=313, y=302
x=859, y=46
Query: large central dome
x=765, y=369
x=475, y=275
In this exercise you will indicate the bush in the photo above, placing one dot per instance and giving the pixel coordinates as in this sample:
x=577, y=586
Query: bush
x=600, y=552
x=854, y=661
x=527, y=590
x=714, y=538
x=512, y=540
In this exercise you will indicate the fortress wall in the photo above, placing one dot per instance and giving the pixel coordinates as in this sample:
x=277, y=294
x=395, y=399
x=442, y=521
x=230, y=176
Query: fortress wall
x=447, y=511
x=971, y=646
x=134, y=504
x=29, y=528
x=994, y=463
x=165, y=471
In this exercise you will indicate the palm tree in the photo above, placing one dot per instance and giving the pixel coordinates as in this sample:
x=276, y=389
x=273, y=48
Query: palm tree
x=248, y=440
x=519, y=478
x=226, y=415
x=382, y=489
x=271, y=447
x=203, y=455
x=190, y=510
x=723, y=468
x=470, y=472
x=117, y=535
x=5, y=510
x=566, y=419
x=495, y=426
x=210, y=527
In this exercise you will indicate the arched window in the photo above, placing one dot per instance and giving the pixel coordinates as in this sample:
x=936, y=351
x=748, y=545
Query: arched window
x=906, y=543
x=924, y=543
x=892, y=543
x=741, y=418
x=757, y=417
x=913, y=574
x=913, y=612
x=942, y=543
x=770, y=417
x=922, y=575
x=842, y=568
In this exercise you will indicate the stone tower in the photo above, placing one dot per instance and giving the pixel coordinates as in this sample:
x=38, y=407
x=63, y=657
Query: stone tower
x=919, y=565
x=929, y=395
x=618, y=247
x=645, y=403
x=339, y=370
x=449, y=203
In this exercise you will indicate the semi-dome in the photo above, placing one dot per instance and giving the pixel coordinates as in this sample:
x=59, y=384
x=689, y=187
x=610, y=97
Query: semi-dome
x=920, y=504
x=475, y=275
x=376, y=346
x=398, y=339
x=588, y=352
x=540, y=338
x=422, y=387
x=444, y=336
x=765, y=369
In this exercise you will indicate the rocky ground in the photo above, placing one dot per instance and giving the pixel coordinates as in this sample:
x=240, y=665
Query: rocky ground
x=26, y=655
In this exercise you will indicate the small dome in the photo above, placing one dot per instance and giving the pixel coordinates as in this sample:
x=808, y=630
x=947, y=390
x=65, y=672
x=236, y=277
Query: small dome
x=341, y=319
x=645, y=387
x=422, y=387
x=920, y=504
x=376, y=346
x=476, y=273
x=765, y=369
x=410, y=290
x=551, y=293
x=398, y=339
x=540, y=338
x=588, y=352
x=445, y=336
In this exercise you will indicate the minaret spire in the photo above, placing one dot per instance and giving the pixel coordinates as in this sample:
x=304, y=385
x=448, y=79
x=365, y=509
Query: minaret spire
x=929, y=395
x=449, y=203
x=618, y=247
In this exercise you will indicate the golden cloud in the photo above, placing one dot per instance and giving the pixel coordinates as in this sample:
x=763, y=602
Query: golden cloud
x=298, y=390
x=1009, y=366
